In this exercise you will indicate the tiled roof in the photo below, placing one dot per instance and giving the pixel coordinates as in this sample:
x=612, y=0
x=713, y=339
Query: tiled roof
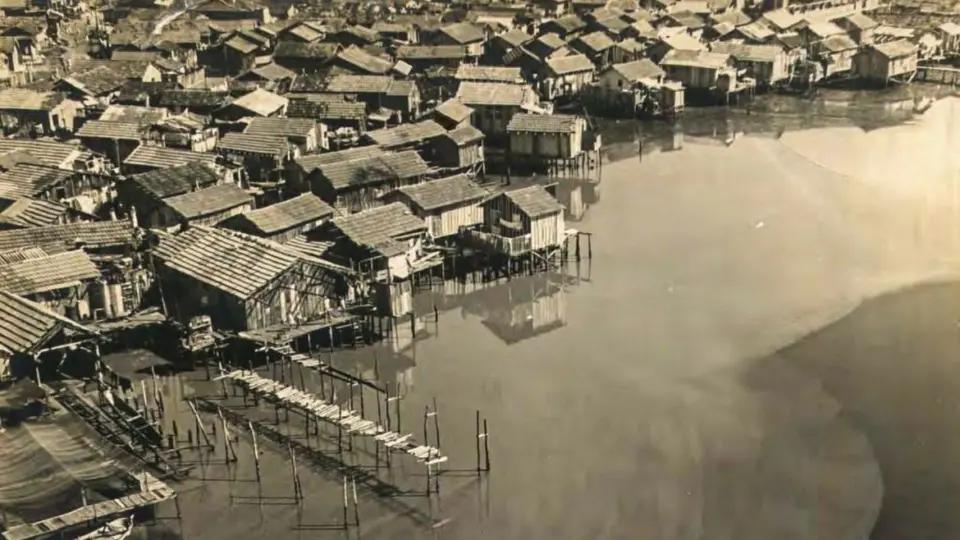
x=638, y=70
x=700, y=59
x=284, y=127
x=454, y=110
x=374, y=169
x=444, y=192
x=28, y=325
x=597, y=41
x=474, y=93
x=104, y=129
x=192, y=98
x=94, y=234
x=32, y=213
x=405, y=134
x=159, y=157
x=273, y=72
x=273, y=145
x=211, y=200
x=861, y=21
x=748, y=53
x=570, y=23
x=29, y=100
x=756, y=31
x=463, y=32
x=339, y=109
x=543, y=123
x=49, y=273
x=25, y=180
x=516, y=38
x=310, y=162
x=575, y=63
x=431, y=52
x=260, y=101
x=534, y=201
x=464, y=135
x=21, y=254
x=172, y=181
x=288, y=214
x=309, y=248
x=467, y=72
x=365, y=62
x=358, y=84
x=52, y=154
x=133, y=114
x=315, y=50
x=378, y=226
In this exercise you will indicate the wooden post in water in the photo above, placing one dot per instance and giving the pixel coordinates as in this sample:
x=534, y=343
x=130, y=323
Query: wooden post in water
x=479, y=436
x=356, y=505
x=345, y=522
x=256, y=450
x=297, y=493
x=426, y=442
x=486, y=445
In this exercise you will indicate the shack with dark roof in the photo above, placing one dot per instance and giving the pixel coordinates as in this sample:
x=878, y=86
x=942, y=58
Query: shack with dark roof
x=447, y=205
x=282, y=221
x=461, y=149
x=882, y=62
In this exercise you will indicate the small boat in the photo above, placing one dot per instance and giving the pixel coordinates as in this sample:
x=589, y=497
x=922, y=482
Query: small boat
x=118, y=529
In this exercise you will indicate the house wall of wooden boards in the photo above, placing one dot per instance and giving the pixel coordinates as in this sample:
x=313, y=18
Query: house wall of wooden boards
x=449, y=154
x=544, y=232
x=871, y=64
x=492, y=120
x=546, y=145
x=448, y=221
x=569, y=84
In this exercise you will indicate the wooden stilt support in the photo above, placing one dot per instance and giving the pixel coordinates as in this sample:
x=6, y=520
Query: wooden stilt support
x=486, y=446
x=297, y=493
x=479, y=436
x=256, y=450
x=201, y=429
x=356, y=505
x=346, y=524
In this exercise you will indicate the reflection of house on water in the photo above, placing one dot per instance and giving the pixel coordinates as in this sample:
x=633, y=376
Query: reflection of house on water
x=576, y=194
x=514, y=310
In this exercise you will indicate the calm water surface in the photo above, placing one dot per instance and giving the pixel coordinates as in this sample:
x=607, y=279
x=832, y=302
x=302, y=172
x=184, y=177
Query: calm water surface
x=681, y=386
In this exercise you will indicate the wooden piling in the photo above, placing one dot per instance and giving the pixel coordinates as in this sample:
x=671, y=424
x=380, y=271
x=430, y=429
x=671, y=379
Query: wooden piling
x=297, y=493
x=356, y=505
x=486, y=445
x=345, y=522
x=478, y=442
x=256, y=450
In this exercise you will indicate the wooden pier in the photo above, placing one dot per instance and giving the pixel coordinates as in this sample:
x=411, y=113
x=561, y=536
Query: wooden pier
x=318, y=409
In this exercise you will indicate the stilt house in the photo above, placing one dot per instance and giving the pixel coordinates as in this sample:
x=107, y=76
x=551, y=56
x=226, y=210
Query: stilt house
x=447, y=205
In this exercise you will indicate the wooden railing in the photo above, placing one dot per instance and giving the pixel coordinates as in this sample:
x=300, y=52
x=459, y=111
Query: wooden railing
x=512, y=246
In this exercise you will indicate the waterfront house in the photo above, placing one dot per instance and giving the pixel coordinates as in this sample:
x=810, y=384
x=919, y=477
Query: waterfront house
x=766, y=64
x=697, y=69
x=283, y=221
x=61, y=282
x=142, y=193
x=814, y=34
x=417, y=136
x=949, y=34
x=522, y=220
x=446, y=205
x=243, y=282
x=673, y=42
x=781, y=21
x=452, y=114
x=859, y=27
x=630, y=75
x=262, y=155
x=353, y=185
x=302, y=132
x=460, y=149
x=206, y=206
x=115, y=140
x=882, y=62
x=495, y=104
x=546, y=136
x=595, y=46
x=791, y=44
x=377, y=91
x=385, y=242
x=836, y=54
x=298, y=171
x=566, y=76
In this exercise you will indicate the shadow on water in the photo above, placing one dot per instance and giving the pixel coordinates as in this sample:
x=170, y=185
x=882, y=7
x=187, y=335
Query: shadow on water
x=894, y=367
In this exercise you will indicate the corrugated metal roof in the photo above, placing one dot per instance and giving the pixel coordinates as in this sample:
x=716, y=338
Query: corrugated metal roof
x=173, y=181
x=535, y=201
x=211, y=200
x=105, y=129
x=374, y=169
x=25, y=180
x=288, y=214
x=543, y=123
x=94, y=234
x=284, y=127
x=444, y=192
x=378, y=226
x=28, y=325
x=235, y=263
x=159, y=157
x=405, y=134
x=49, y=273
x=273, y=145
x=475, y=93
x=32, y=213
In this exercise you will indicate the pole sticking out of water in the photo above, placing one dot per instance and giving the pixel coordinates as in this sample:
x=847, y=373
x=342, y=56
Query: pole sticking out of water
x=479, y=436
x=201, y=429
x=356, y=504
x=346, y=524
x=256, y=451
x=297, y=493
x=426, y=442
x=486, y=445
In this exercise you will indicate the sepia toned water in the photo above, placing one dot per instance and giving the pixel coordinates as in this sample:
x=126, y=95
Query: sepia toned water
x=735, y=361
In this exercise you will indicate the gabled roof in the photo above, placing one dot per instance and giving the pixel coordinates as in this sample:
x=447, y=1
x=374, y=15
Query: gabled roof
x=638, y=70
x=569, y=23
x=475, y=93
x=286, y=215
x=28, y=325
x=284, y=127
x=362, y=32
x=270, y=72
x=860, y=21
x=682, y=42
x=173, y=181
x=404, y=134
x=49, y=273
x=326, y=109
x=25, y=180
x=748, y=53
x=32, y=213
x=782, y=19
x=823, y=29
x=465, y=135
x=317, y=50
x=52, y=154
x=379, y=226
x=133, y=114
x=159, y=157
x=261, y=102
x=734, y=17
x=543, y=123
x=950, y=28
x=575, y=63
x=454, y=110
x=444, y=192
x=756, y=31
x=596, y=42
x=273, y=145
x=463, y=33
x=896, y=49
x=311, y=162
x=839, y=43
x=700, y=59
x=468, y=72
x=613, y=25
x=364, y=62
x=515, y=38
x=20, y=99
x=93, y=234
x=372, y=170
x=534, y=201
x=431, y=52
x=686, y=19
x=105, y=129
x=207, y=201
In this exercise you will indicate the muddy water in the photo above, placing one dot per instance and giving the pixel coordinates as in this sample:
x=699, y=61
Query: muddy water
x=645, y=399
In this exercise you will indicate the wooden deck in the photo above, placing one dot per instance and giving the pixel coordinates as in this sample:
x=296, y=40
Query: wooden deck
x=489, y=242
x=153, y=492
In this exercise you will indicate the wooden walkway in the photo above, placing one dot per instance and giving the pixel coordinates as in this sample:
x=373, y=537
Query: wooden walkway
x=152, y=492
x=351, y=421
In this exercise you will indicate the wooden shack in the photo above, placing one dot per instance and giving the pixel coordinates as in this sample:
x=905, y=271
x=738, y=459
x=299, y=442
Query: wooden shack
x=461, y=149
x=495, y=104
x=61, y=282
x=517, y=222
x=263, y=156
x=142, y=194
x=302, y=132
x=357, y=184
x=282, y=221
x=116, y=140
x=546, y=136
x=452, y=114
x=447, y=205
x=206, y=206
